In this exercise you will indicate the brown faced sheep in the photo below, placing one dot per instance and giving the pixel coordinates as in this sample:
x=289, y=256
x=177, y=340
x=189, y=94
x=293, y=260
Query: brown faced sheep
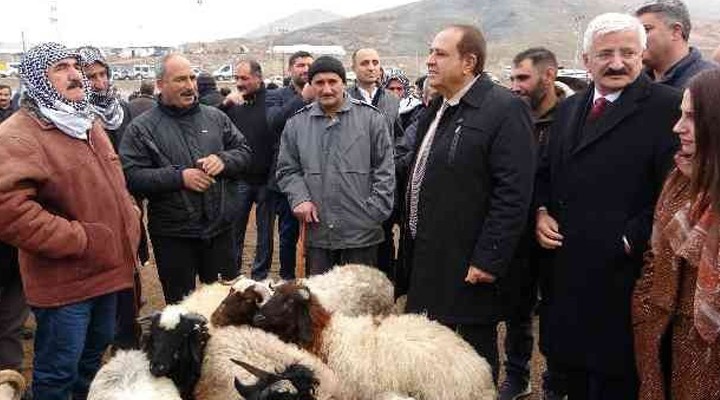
x=238, y=308
x=406, y=354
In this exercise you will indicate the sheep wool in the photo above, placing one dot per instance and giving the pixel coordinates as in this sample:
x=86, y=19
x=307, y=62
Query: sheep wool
x=353, y=289
x=262, y=288
x=406, y=354
x=127, y=376
x=170, y=317
x=205, y=299
x=262, y=350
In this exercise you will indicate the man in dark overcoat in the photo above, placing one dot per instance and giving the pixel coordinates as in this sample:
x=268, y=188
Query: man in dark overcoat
x=469, y=189
x=609, y=151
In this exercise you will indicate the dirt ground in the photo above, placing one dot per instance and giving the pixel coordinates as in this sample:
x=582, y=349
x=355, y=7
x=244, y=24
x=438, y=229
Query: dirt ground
x=152, y=294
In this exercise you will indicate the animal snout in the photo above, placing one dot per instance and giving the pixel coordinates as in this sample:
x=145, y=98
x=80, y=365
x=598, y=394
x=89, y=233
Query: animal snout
x=158, y=369
x=258, y=319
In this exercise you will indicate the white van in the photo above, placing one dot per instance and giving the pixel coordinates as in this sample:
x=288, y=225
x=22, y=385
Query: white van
x=143, y=71
x=224, y=73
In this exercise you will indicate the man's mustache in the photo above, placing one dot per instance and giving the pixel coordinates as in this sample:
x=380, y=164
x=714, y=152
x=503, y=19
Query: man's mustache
x=75, y=84
x=616, y=72
x=188, y=92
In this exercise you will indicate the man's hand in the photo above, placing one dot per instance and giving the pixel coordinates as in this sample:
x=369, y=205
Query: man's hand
x=234, y=98
x=547, y=231
x=306, y=212
x=196, y=180
x=308, y=93
x=475, y=275
x=212, y=165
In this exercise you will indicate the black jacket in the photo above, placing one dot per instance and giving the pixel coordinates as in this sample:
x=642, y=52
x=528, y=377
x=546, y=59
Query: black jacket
x=5, y=113
x=251, y=119
x=281, y=104
x=601, y=185
x=116, y=135
x=473, y=203
x=162, y=142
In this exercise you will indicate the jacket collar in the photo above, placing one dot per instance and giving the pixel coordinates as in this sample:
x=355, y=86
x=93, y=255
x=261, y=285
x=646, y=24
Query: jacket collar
x=478, y=91
x=317, y=111
x=678, y=69
x=177, y=112
x=622, y=108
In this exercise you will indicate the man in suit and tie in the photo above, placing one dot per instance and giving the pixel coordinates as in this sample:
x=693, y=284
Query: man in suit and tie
x=596, y=188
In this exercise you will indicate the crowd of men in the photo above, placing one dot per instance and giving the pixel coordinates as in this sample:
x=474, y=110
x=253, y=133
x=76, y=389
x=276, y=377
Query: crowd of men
x=505, y=198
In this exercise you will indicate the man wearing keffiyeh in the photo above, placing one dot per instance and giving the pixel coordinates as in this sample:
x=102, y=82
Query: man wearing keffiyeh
x=64, y=205
x=103, y=96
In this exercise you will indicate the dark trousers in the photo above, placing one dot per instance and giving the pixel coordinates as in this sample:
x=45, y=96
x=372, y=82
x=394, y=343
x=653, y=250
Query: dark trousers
x=519, y=337
x=318, y=261
x=128, y=331
x=69, y=344
x=288, y=231
x=179, y=260
x=482, y=338
x=386, y=250
x=259, y=195
x=589, y=385
x=13, y=313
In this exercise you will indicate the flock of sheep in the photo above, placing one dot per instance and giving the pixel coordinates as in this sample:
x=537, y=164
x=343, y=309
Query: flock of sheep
x=331, y=336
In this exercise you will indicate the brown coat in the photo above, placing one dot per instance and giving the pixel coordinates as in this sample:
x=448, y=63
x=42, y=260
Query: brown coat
x=64, y=204
x=663, y=305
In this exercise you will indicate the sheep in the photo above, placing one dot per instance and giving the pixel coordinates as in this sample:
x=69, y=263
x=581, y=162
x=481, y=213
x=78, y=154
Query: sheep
x=12, y=385
x=127, y=376
x=352, y=290
x=206, y=298
x=295, y=382
x=263, y=350
x=176, y=345
x=403, y=354
x=349, y=289
x=239, y=307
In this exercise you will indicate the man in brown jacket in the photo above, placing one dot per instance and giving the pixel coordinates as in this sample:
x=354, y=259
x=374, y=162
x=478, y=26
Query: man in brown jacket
x=64, y=205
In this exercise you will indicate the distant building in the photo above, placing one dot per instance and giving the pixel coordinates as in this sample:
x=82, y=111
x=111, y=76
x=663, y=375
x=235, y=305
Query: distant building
x=144, y=51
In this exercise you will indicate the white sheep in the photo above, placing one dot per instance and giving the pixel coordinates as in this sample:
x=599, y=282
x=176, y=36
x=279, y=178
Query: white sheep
x=404, y=354
x=206, y=298
x=127, y=376
x=353, y=289
x=12, y=385
x=262, y=350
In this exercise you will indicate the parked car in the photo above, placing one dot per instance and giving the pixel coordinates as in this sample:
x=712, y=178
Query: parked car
x=143, y=71
x=9, y=69
x=224, y=73
x=121, y=73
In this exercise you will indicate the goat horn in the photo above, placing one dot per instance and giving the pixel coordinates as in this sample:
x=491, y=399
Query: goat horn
x=260, y=374
x=14, y=379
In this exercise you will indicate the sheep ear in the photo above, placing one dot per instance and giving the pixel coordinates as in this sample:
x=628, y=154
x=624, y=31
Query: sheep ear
x=304, y=293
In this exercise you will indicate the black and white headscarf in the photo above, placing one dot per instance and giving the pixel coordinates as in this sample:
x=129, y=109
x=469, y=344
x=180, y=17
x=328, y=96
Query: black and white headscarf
x=105, y=103
x=72, y=117
x=407, y=103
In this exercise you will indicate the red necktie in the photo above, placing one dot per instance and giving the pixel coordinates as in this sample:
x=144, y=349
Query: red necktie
x=598, y=108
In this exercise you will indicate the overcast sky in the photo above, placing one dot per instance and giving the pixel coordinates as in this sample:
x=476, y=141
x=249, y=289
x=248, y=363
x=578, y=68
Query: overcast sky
x=166, y=22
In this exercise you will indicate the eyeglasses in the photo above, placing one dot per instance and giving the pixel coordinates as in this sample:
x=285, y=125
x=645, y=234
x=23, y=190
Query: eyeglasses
x=625, y=54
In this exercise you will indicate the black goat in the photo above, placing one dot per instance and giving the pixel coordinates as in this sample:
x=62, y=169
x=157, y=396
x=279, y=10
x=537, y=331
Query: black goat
x=296, y=382
x=175, y=347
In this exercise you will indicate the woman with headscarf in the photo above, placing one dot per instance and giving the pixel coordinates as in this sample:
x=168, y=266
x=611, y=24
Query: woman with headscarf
x=676, y=303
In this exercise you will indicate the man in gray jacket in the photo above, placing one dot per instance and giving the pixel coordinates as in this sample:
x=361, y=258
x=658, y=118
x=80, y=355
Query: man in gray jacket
x=336, y=167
